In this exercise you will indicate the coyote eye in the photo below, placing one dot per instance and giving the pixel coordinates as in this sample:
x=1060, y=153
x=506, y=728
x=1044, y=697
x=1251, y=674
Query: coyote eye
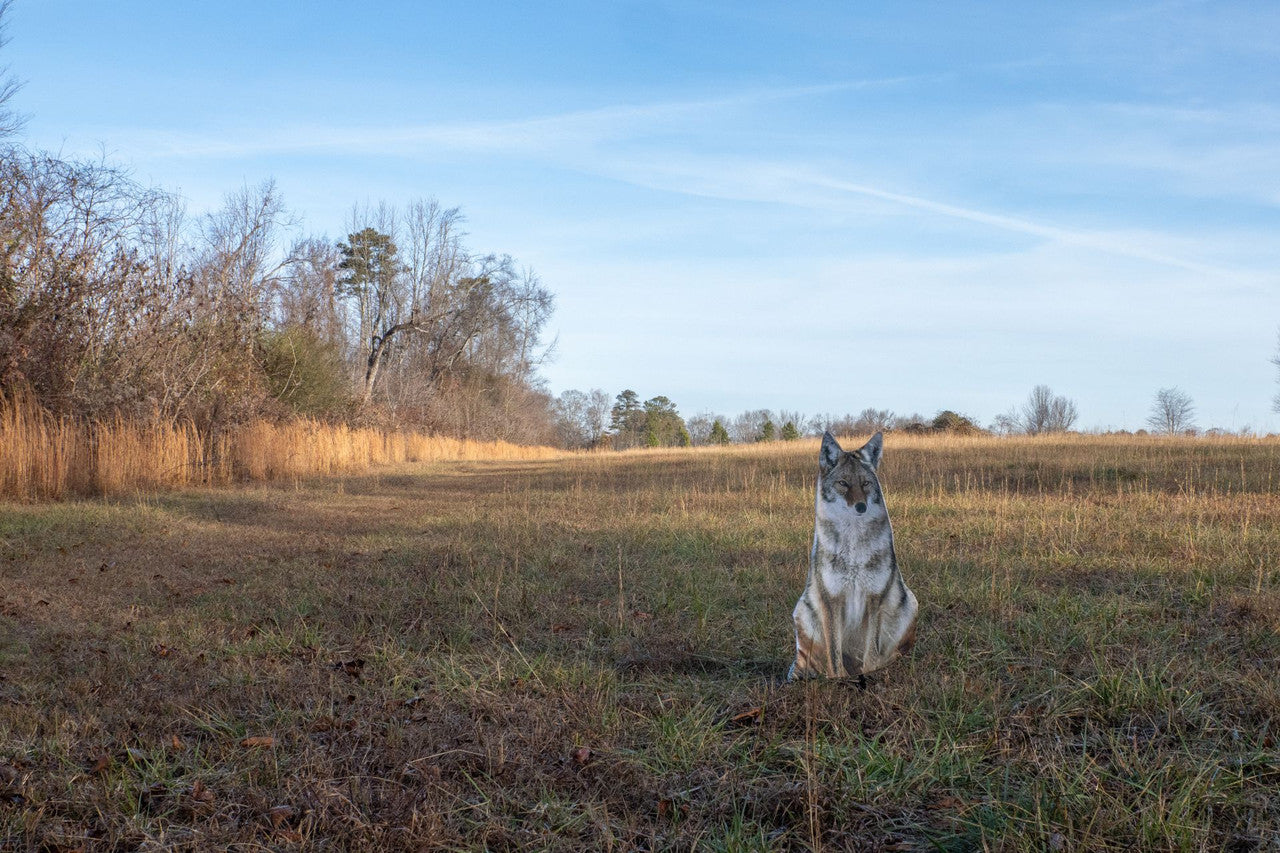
x=844, y=484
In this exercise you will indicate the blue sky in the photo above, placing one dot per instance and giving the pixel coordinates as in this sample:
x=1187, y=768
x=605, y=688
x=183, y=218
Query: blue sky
x=818, y=207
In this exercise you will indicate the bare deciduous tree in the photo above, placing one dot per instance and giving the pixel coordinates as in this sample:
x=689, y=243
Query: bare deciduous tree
x=699, y=426
x=794, y=417
x=1275, y=401
x=582, y=417
x=832, y=423
x=427, y=306
x=750, y=426
x=871, y=421
x=307, y=292
x=1045, y=411
x=1172, y=411
x=11, y=121
x=235, y=273
x=79, y=299
x=1009, y=423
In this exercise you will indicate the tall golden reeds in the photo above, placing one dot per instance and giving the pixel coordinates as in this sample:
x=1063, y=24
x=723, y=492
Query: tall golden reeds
x=47, y=457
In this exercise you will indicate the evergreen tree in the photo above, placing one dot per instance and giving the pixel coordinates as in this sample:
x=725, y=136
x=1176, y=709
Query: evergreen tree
x=767, y=431
x=663, y=421
x=368, y=262
x=627, y=420
x=719, y=435
x=650, y=434
x=789, y=431
x=369, y=267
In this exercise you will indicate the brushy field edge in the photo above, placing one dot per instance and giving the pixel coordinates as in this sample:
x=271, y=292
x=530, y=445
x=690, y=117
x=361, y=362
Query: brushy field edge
x=585, y=653
x=50, y=457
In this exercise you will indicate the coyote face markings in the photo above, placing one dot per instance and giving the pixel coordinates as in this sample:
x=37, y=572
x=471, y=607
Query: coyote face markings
x=856, y=613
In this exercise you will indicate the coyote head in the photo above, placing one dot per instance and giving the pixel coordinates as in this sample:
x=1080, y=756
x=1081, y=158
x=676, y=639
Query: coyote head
x=848, y=490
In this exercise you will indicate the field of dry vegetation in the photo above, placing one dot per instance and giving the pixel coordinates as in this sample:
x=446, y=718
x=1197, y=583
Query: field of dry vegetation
x=585, y=653
x=46, y=456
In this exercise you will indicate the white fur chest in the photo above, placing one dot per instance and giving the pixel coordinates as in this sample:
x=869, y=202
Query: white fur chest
x=853, y=560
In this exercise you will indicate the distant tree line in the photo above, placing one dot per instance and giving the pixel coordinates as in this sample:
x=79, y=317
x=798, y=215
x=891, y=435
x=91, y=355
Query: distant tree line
x=590, y=419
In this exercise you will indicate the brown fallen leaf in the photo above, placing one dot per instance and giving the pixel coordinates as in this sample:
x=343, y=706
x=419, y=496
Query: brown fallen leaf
x=746, y=718
x=414, y=770
x=582, y=755
x=278, y=815
x=560, y=628
x=668, y=808
x=100, y=763
x=258, y=741
x=351, y=667
x=946, y=801
x=200, y=793
x=175, y=743
x=154, y=792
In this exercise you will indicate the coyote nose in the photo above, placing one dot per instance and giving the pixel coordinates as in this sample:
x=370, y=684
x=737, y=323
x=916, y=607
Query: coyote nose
x=860, y=507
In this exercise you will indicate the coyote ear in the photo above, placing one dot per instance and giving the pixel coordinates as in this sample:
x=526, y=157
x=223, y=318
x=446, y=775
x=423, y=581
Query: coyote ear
x=829, y=456
x=870, y=452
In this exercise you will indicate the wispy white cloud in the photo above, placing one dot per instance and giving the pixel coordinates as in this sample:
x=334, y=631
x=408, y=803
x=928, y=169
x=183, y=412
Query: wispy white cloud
x=617, y=142
x=1224, y=151
x=532, y=135
x=800, y=185
x=1101, y=242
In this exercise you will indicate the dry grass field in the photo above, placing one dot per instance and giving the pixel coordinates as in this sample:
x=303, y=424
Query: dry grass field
x=586, y=652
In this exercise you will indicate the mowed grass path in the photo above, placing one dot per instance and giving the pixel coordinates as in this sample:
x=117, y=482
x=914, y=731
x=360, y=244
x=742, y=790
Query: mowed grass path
x=586, y=654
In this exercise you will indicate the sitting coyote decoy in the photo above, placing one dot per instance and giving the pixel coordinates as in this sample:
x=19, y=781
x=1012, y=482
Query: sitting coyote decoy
x=856, y=613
